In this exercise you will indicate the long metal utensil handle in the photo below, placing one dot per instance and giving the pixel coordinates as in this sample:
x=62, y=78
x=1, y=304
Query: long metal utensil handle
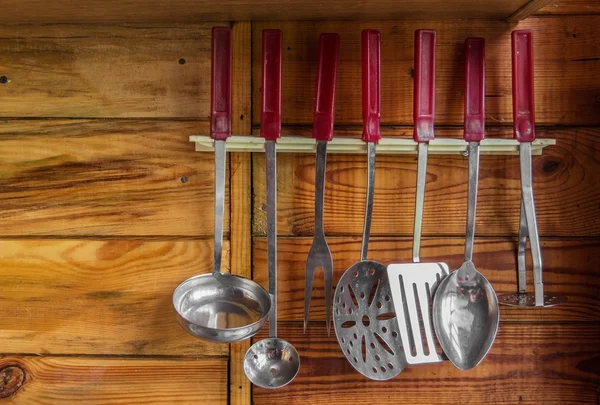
x=371, y=114
x=220, y=127
x=329, y=48
x=270, y=130
x=474, y=127
x=524, y=132
x=423, y=116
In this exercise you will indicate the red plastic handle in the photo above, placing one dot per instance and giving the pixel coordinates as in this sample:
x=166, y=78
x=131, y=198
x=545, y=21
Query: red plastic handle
x=220, y=86
x=424, y=95
x=474, y=89
x=270, y=118
x=329, y=49
x=522, y=84
x=371, y=94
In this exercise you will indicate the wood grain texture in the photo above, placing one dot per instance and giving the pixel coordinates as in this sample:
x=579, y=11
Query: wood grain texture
x=101, y=381
x=178, y=11
x=104, y=178
x=566, y=183
x=569, y=267
x=528, y=364
x=528, y=9
x=241, y=189
x=566, y=58
x=105, y=71
x=99, y=297
x=571, y=7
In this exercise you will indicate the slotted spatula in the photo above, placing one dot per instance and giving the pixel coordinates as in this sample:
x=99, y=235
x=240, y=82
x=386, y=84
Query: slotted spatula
x=414, y=284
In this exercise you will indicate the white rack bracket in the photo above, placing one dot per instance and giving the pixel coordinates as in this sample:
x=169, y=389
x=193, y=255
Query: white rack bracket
x=390, y=146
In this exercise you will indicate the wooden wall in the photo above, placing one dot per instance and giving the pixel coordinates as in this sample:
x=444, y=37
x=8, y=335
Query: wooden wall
x=105, y=207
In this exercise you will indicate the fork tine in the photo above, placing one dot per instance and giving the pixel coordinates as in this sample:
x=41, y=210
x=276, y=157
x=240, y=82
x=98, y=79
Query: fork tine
x=308, y=284
x=328, y=275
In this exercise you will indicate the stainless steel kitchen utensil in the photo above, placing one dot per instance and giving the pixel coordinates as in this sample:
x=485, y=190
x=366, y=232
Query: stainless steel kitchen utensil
x=320, y=255
x=271, y=362
x=364, y=319
x=423, y=115
x=221, y=307
x=524, y=132
x=413, y=285
x=465, y=306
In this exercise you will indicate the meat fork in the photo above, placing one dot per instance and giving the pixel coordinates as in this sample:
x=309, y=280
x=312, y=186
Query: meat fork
x=320, y=255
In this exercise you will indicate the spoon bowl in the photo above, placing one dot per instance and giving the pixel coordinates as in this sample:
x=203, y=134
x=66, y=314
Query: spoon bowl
x=466, y=316
x=271, y=363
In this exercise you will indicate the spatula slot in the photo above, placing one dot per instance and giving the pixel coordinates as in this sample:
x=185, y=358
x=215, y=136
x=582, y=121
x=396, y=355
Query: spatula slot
x=409, y=335
x=422, y=332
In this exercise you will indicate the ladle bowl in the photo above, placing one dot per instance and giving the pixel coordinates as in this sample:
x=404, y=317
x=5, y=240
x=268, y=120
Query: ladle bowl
x=271, y=363
x=221, y=307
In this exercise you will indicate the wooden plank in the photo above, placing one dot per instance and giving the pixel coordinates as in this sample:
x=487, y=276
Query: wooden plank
x=99, y=297
x=528, y=364
x=566, y=180
x=528, y=9
x=102, y=381
x=569, y=267
x=178, y=11
x=566, y=59
x=563, y=7
x=241, y=200
x=104, y=178
x=104, y=71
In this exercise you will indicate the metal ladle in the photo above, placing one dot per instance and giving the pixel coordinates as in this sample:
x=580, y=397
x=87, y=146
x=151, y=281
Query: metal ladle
x=465, y=306
x=221, y=307
x=271, y=362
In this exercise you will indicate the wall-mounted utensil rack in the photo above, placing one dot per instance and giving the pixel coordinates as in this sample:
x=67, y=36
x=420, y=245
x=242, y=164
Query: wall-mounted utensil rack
x=389, y=146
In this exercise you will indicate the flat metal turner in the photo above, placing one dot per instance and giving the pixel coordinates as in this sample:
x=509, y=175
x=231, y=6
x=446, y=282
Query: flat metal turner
x=413, y=286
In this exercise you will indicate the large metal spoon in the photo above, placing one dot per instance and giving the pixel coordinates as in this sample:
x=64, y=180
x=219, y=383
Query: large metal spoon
x=465, y=306
x=271, y=362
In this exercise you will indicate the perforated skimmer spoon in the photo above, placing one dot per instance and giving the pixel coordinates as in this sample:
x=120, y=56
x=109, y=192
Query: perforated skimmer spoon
x=465, y=306
x=364, y=317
